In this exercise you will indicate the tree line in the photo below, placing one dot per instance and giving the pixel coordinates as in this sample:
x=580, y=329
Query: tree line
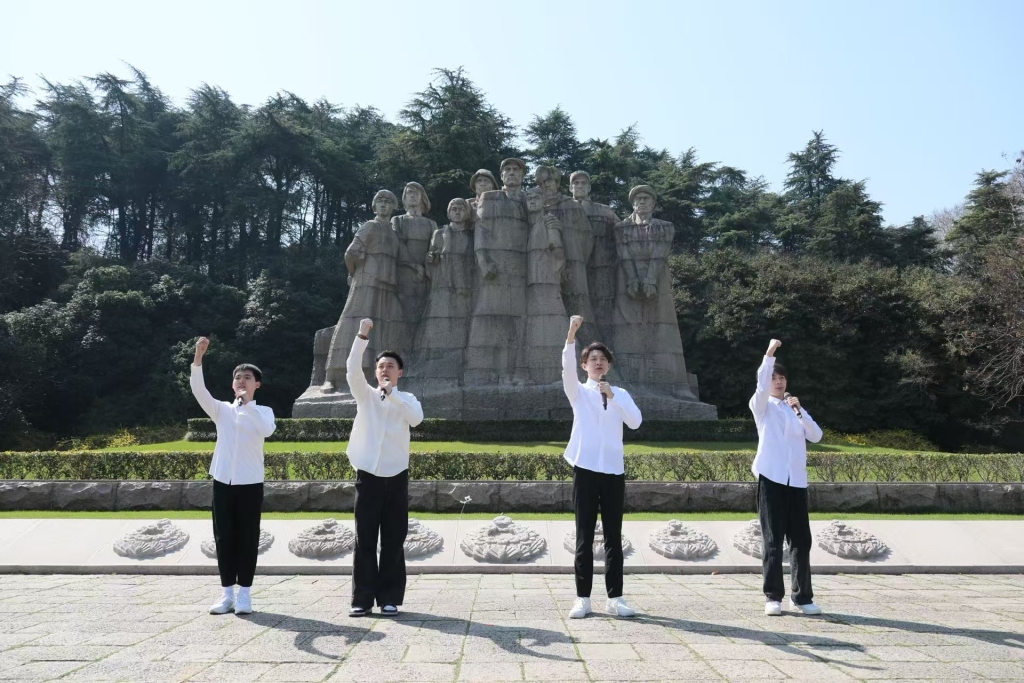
x=129, y=225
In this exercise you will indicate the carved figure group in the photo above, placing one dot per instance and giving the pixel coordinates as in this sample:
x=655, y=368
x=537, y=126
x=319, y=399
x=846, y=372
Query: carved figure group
x=481, y=300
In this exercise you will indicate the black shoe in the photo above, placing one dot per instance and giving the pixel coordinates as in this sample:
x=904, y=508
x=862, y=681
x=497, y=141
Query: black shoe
x=389, y=611
x=358, y=612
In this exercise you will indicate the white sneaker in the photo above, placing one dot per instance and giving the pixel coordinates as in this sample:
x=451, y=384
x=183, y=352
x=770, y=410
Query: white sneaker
x=810, y=609
x=223, y=606
x=580, y=609
x=243, y=603
x=773, y=608
x=619, y=608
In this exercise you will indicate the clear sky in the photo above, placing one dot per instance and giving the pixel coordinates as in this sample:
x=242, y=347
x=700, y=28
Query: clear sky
x=918, y=95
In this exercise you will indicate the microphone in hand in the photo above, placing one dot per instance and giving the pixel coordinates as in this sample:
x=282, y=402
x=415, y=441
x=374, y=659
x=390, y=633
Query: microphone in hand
x=604, y=396
x=796, y=409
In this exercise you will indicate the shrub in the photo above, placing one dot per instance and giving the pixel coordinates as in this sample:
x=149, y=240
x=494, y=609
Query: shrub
x=500, y=431
x=688, y=466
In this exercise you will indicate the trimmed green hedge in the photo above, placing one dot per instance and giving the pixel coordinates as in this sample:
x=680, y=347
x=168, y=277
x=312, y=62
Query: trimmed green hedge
x=708, y=466
x=498, y=431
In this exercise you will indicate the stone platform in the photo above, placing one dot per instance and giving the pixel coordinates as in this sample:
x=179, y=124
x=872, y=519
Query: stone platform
x=473, y=627
x=86, y=546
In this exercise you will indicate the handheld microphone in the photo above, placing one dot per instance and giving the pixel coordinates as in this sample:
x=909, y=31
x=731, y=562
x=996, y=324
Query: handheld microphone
x=796, y=409
x=604, y=397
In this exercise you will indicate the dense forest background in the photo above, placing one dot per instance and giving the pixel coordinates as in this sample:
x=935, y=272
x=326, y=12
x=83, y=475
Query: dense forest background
x=129, y=225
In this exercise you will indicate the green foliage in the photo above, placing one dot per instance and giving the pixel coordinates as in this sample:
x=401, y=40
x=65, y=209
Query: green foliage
x=230, y=220
x=708, y=466
x=500, y=431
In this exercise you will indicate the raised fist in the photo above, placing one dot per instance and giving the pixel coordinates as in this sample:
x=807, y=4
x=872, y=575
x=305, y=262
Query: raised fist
x=365, y=325
x=575, y=322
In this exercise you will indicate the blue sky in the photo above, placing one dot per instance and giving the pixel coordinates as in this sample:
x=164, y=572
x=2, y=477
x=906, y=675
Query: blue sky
x=919, y=96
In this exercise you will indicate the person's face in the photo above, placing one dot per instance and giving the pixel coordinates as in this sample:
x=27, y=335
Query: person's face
x=778, y=385
x=483, y=184
x=245, y=381
x=411, y=198
x=382, y=206
x=457, y=213
x=596, y=364
x=549, y=184
x=534, y=202
x=387, y=369
x=643, y=203
x=512, y=175
x=580, y=188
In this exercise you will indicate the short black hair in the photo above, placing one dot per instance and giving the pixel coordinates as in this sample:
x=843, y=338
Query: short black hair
x=257, y=375
x=779, y=369
x=390, y=354
x=596, y=346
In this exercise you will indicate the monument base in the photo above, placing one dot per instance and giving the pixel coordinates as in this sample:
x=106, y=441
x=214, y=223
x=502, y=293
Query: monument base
x=503, y=402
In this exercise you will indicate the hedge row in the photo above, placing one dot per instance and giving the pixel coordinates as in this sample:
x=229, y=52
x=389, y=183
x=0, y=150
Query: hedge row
x=500, y=431
x=707, y=466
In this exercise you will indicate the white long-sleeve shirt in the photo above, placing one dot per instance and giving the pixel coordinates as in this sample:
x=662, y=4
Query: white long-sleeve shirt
x=596, y=440
x=379, y=443
x=238, y=455
x=781, y=436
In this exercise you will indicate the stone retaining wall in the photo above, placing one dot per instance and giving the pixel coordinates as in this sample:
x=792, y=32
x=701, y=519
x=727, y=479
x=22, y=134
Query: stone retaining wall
x=512, y=496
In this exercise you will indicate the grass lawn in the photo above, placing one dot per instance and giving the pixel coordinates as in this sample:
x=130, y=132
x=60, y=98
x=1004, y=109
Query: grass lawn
x=561, y=516
x=535, y=447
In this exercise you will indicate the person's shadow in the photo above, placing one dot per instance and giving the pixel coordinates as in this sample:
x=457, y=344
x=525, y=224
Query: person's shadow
x=308, y=630
x=785, y=641
x=511, y=639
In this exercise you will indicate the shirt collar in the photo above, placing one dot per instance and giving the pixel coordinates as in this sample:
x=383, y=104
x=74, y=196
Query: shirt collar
x=591, y=383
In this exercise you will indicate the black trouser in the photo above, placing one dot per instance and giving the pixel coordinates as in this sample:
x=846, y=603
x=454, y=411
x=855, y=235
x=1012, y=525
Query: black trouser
x=382, y=507
x=591, y=492
x=236, y=530
x=783, y=513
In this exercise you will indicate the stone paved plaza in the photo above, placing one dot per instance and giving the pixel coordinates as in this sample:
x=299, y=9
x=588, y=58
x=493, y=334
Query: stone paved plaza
x=511, y=628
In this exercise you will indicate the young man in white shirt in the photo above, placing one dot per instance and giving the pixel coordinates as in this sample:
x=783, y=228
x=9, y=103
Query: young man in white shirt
x=783, y=428
x=598, y=467
x=378, y=450
x=237, y=471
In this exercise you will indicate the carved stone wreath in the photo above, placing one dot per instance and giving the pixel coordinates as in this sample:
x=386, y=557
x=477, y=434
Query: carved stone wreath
x=152, y=540
x=209, y=546
x=569, y=542
x=324, y=540
x=421, y=540
x=850, y=542
x=503, y=541
x=677, y=541
x=749, y=540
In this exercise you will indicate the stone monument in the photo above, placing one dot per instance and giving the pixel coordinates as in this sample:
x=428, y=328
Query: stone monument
x=323, y=541
x=849, y=542
x=479, y=307
x=645, y=333
x=372, y=262
x=497, y=329
x=545, y=312
x=415, y=232
x=677, y=541
x=503, y=541
x=152, y=540
x=444, y=328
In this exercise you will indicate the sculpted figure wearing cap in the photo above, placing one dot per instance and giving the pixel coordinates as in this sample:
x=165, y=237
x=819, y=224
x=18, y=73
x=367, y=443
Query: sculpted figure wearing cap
x=645, y=335
x=372, y=262
x=603, y=261
x=414, y=232
x=482, y=181
x=578, y=243
x=500, y=239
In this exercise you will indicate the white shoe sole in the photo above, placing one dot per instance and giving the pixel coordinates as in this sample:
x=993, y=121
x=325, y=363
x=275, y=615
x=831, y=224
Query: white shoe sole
x=218, y=612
